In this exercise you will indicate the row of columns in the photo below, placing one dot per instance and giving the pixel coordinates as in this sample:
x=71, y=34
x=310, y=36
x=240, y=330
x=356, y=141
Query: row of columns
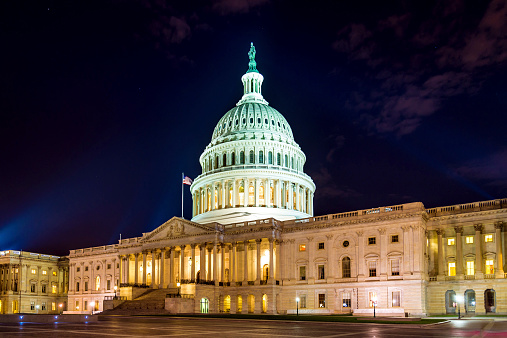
x=478, y=250
x=209, y=253
x=274, y=193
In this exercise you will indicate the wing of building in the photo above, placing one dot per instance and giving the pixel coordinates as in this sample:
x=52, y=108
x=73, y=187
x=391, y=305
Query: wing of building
x=254, y=245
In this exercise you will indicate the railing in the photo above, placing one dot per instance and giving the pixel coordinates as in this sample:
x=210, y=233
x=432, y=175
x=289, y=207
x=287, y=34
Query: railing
x=469, y=276
x=124, y=285
x=433, y=279
x=489, y=276
x=251, y=282
x=239, y=283
x=477, y=206
x=264, y=282
x=179, y=295
x=251, y=166
x=450, y=277
x=205, y=282
x=115, y=298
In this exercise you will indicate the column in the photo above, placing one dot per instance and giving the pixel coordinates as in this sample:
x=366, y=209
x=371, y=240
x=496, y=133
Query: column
x=222, y=267
x=478, y=253
x=360, y=255
x=459, y=252
x=256, y=183
x=145, y=267
x=499, y=272
x=271, y=269
x=234, y=193
x=162, y=268
x=278, y=267
x=210, y=256
x=290, y=189
x=278, y=194
x=258, y=263
x=225, y=196
x=171, y=267
x=441, y=255
x=215, y=262
x=245, y=261
x=153, y=276
x=232, y=261
x=127, y=268
x=214, y=190
x=136, y=268
x=9, y=277
x=298, y=198
x=182, y=260
x=192, y=272
x=245, y=192
x=202, y=261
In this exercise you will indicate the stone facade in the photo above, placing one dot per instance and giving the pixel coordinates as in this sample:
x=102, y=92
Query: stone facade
x=32, y=283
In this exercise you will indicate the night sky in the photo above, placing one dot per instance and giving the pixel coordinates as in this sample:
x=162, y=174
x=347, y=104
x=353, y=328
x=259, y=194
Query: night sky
x=105, y=103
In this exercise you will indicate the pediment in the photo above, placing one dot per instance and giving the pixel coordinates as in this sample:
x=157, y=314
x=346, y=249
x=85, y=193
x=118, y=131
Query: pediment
x=176, y=228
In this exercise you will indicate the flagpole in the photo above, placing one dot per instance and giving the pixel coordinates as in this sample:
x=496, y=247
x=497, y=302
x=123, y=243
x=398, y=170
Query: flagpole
x=182, y=185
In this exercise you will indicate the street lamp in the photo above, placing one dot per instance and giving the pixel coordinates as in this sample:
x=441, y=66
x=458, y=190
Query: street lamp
x=37, y=307
x=297, y=306
x=61, y=307
x=115, y=288
x=459, y=300
x=92, y=305
x=374, y=301
x=178, y=285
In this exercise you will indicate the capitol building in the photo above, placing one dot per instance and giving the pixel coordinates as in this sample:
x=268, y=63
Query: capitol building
x=254, y=244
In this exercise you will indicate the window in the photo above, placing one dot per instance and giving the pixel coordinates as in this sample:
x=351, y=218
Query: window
x=395, y=267
x=32, y=305
x=97, y=283
x=117, y=265
x=450, y=241
x=302, y=273
x=98, y=267
x=278, y=159
x=373, y=268
x=322, y=275
x=321, y=245
x=470, y=268
x=233, y=159
x=77, y=286
x=302, y=301
x=396, y=301
x=346, y=267
x=54, y=273
x=270, y=158
x=86, y=286
x=44, y=272
x=372, y=298
x=322, y=300
x=44, y=288
x=286, y=160
x=108, y=284
x=252, y=156
x=78, y=269
x=469, y=239
x=32, y=287
x=346, y=300
x=302, y=247
x=488, y=238
x=34, y=271
x=452, y=269
x=77, y=305
x=109, y=266
x=242, y=157
x=489, y=267
x=85, y=305
x=53, y=288
x=395, y=239
x=43, y=306
x=53, y=306
x=86, y=268
x=372, y=240
x=345, y=244
x=261, y=156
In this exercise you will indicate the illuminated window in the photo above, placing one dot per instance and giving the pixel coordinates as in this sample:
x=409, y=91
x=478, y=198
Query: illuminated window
x=469, y=239
x=372, y=298
x=53, y=288
x=261, y=195
x=241, y=196
x=34, y=271
x=450, y=241
x=302, y=273
x=302, y=247
x=251, y=195
x=452, y=269
x=321, y=245
x=322, y=300
x=396, y=299
x=372, y=268
x=346, y=267
x=346, y=300
x=44, y=272
x=470, y=268
x=54, y=273
x=97, y=283
x=395, y=239
x=489, y=267
x=395, y=267
x=488, y=238
x=53, y=306
x=77, y=305
x=372, y=240
x=302, y=301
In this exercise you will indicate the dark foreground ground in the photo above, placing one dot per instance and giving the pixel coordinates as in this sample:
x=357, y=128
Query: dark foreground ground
x=218, y=328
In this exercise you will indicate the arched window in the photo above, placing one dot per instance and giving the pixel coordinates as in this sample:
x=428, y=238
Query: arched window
x=264, y=303
x=210, y=164
x=270, y=158
x=252, y=156
x=224, y=160
x=241, y=196
x=346, y=267
x=205, y=164
x=204, y=305
x=242, y=157
x=251, y=195
x=97, y=283
x=278, y=159
x=233, y=158
x=227, y=304
x=261, y=156
x=286, y=161
x=261, y=195
x=292, y=162
x=216, y=162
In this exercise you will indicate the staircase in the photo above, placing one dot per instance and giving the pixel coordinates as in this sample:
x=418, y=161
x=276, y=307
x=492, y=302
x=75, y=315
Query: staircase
x=149, y=303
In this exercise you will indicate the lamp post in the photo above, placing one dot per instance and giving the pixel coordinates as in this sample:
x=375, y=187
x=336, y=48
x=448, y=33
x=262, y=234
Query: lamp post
x=61, y=307
x=92, y=305
x=374, y=301
x=37, y=307
x=459, y=299
x=297, y=306
x=115, y=288
x=178, y=285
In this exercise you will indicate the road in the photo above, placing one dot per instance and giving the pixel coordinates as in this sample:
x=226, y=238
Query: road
x=218, y=328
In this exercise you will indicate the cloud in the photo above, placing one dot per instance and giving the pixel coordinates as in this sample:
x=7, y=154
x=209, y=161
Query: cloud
x=338, y=142
x=327, y=187
x=171, y=29
x=225, y=7
x=437, y=58
x=492, y=169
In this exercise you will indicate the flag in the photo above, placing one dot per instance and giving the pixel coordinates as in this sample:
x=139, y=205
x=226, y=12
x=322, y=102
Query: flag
x=187, y=180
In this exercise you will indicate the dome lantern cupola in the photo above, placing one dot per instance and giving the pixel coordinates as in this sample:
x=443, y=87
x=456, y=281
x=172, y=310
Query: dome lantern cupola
x=252, y=81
